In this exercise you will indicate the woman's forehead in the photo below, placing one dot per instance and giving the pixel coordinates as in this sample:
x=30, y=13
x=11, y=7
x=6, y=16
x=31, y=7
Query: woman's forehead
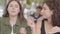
x=14, y=2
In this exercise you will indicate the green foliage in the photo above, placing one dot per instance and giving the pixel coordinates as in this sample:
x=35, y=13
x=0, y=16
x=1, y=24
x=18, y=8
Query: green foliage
x=0, y=2
x=29, y=2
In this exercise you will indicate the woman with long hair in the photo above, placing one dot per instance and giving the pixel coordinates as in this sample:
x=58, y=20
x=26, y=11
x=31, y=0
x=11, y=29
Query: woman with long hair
x=51, y=14
x=13, y=21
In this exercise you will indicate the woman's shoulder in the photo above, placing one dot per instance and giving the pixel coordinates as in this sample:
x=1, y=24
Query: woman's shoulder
x=3, y=19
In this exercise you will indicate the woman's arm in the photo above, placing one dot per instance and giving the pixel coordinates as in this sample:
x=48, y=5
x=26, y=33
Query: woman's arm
x=55, y=29
x=31, y=24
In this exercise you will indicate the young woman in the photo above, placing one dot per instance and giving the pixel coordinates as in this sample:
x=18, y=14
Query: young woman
x=51, y=12
x=13, y=21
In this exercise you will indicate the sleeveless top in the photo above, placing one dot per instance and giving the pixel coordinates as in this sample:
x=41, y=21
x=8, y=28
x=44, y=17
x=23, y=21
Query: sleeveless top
x=57, y=33
x=43, y=28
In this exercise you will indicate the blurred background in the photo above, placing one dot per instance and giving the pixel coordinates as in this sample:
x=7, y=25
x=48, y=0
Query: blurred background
x=28, y=5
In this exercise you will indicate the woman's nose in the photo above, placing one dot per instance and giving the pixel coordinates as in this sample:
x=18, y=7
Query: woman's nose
x=13, y=8
x=41, y=11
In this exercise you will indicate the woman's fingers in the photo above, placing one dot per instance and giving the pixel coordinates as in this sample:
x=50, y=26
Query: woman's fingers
x=22, y=30
x=55, y=29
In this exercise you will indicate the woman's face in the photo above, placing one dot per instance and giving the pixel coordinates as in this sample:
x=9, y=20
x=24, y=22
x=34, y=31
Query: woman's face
x=46, y=12
x=13, y=8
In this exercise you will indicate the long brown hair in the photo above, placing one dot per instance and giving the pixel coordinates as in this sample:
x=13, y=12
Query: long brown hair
x=54, y=5
x=20, y=14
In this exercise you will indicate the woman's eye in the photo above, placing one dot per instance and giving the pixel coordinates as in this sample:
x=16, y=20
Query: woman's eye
x=11, y=6
x=16, y=6
x=44, y=9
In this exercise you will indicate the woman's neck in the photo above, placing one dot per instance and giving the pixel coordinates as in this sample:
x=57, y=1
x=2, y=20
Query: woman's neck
x=48, y=24
x=13, y=17
x=13, y=20
x=49, y=20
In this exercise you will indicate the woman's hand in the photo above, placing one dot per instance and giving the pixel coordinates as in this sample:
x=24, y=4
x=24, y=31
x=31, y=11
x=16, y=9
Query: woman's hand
x=55, y=30
x=31, y=23
x=23, y=30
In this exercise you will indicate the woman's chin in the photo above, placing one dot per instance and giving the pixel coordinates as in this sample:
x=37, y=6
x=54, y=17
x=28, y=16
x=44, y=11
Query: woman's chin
x=13, y=15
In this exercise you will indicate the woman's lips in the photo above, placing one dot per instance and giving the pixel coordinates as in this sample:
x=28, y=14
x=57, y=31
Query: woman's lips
x=13, y=11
